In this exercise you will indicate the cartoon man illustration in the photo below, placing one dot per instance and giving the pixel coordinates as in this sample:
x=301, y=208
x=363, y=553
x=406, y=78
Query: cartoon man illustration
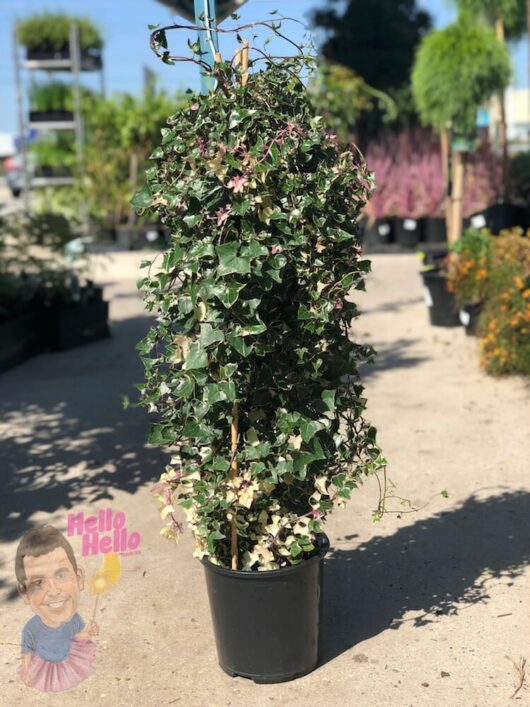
x=57, y=650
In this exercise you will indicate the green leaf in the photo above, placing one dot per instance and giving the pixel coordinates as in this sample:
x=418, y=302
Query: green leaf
x=309, y=429
x=196, y=358
x=328, y=396
x=229, y=294
x=239, y=344
x=210, y=336
x=192, y=220
x=142, y=198
x=229, y=262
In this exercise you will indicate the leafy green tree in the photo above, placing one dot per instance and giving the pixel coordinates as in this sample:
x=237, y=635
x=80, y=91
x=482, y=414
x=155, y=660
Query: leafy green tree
x=375, y=38
x=511, y=13
x=457, y=69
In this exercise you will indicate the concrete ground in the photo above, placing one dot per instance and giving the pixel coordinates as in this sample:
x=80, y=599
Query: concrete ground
x=425, y=608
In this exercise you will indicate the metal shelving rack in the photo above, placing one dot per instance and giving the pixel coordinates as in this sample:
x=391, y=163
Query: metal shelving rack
x=75, y=64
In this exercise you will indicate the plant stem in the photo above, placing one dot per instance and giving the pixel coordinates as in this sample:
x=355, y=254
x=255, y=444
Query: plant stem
x=233, y=473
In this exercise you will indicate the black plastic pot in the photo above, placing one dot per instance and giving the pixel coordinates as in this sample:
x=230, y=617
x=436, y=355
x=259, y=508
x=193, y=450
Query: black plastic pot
x=91, y=59
x=66, y=328
x=440, y=302
x=266, y=624
x=19, y=340
x=377, y=232
x=39, y=116
x=499, y=217
x=434, y=230
x=469, y=317
x=407, y=231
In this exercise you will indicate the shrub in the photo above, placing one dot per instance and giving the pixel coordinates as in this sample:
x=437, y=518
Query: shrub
x=469, y=272
x=253, y=317
x=505, y=324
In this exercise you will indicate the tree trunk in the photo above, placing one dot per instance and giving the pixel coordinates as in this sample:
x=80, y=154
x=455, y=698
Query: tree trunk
x=503, y=133
x=446, y=155
x=457, y=217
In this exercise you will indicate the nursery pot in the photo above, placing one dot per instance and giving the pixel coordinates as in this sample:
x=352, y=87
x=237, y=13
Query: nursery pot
x=469, y=317
x=434, y=230
x=376, y=232
x=407, y=232
x=499, y=217
x=266, y=624
x=440, y=302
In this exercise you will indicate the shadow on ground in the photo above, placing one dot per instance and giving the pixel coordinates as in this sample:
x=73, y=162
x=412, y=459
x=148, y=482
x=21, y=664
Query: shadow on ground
x=65, y=438
x=434, y=567
x=398, y=354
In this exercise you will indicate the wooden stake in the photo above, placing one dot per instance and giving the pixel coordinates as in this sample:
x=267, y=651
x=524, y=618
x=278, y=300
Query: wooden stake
x=244, y=63
x=233, y=473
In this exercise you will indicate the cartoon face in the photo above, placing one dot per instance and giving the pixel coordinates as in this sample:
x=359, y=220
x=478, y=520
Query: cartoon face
x=52, y=586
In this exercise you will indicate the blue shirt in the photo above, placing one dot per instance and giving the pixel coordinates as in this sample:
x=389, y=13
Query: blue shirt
x=52, y=644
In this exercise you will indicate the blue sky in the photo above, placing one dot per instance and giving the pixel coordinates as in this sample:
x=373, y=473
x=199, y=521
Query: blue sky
x=124, y=27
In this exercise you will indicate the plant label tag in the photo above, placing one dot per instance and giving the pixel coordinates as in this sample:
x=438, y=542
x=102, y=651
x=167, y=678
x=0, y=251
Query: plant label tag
x=427, y=296
x=478, y=221
x=410, y=224
x=464, y=317
x=384, y=229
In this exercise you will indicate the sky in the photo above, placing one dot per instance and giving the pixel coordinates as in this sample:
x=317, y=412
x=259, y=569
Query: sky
x=124, y=27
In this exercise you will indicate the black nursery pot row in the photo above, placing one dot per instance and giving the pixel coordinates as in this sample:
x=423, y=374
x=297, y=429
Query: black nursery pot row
x=56, y=328
x=410, y=232
x=406, y=232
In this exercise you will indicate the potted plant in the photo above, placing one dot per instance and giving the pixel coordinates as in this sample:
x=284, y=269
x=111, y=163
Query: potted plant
x=54, y=155
x=504, y=326
x=51, y=101
x=47, y=36
x=249, y=367
x=468, y=275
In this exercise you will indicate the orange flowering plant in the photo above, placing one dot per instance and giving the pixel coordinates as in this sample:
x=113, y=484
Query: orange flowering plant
x=505, y=326
x=468, y=270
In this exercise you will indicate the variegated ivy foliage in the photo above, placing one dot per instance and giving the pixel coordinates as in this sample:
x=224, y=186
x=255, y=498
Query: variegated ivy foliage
x=252, y=308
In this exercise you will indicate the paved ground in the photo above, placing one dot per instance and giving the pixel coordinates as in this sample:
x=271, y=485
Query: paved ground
x=425, y=608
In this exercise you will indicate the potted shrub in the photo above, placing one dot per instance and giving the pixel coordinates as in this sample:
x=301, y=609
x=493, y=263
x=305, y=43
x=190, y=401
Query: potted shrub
x=51, y=101
x=54, y=155
x=71, y=313
x=468, y=275
x=47, y=36
x=504, y=326
x=249, y=366
x=19, y=327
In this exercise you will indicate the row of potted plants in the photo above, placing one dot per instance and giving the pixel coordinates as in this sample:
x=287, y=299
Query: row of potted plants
x=484, y=284
x=47, y=36
x=43, y=303
x=408, y=205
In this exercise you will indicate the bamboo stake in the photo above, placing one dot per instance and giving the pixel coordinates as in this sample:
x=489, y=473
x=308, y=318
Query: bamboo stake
x=233, y=473
x=244, y=63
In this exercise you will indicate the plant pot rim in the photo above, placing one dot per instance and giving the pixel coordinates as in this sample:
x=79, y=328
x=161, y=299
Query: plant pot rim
x=324, y=545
